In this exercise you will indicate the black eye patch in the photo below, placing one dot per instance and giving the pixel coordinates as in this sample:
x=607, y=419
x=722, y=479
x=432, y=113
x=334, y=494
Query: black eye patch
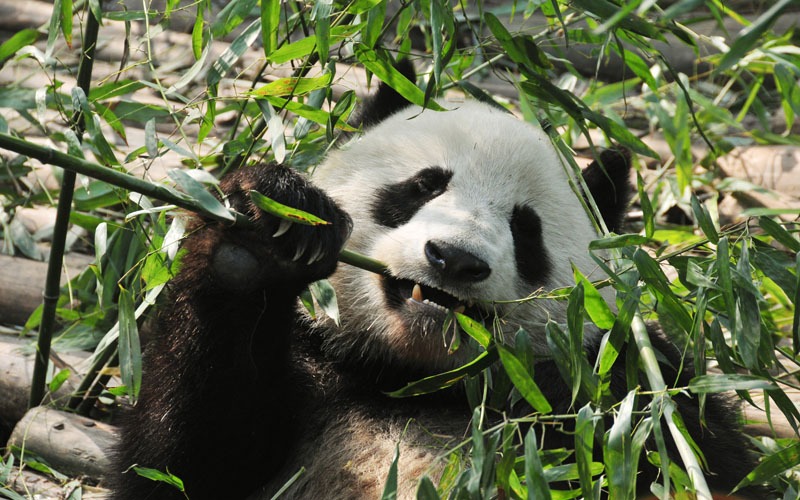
x=533, y=262
x=396, y=204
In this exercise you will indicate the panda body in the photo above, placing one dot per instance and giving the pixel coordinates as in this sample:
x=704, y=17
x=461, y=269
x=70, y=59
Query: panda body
x=469, y=208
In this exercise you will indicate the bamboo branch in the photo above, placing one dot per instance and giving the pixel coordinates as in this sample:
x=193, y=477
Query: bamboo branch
x=126, y=181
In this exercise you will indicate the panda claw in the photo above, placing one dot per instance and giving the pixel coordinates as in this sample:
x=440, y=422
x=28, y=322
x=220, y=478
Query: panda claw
x=282, y=228
x=316, y=255
x=298, y=253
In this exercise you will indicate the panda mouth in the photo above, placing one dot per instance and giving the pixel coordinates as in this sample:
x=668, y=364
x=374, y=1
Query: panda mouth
x=401, y=293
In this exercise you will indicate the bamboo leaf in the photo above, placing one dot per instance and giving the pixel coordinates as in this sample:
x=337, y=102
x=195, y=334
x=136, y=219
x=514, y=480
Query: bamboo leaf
x=18, y=40
x=780, y=234
x=447, y=379
x=474, y=329
x=523, y=381
x=293, y=86
x=728, y=382
x=535, y=480
x=771, y=466
x=197, y=191
x=624, y=240
x=617, y=454
x=595, y=305
x=584, y=444
x=226, y=61
x=704, y=220
x=270, y=22
x=322, y=15
x=285, y=212
x=379, y=64
x=747, y=38
x=130, y=353
x=325, y=295
x=161, y=477
x=232, y=15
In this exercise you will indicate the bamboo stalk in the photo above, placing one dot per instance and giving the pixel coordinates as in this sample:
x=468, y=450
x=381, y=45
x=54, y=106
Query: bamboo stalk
x=52, y=286
x=70, y=163
x=51, y=156
x=656, y=381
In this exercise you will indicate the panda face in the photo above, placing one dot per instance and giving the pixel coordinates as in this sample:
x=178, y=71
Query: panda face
x=471, y=210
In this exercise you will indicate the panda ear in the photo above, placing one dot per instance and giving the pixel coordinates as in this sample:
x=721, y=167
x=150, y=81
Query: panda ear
x=385, y=101
x=608, y=181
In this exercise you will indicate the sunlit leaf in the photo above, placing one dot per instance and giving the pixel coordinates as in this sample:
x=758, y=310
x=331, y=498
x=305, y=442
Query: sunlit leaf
x=285, y=212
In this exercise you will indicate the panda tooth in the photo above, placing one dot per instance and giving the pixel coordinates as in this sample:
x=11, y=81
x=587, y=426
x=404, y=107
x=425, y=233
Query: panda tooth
x=416, y=292
x=460, y=309
x=282, y=228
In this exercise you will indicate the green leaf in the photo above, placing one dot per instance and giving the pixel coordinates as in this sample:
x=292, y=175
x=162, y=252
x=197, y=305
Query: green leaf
x=375, y=19
x=380, y=64
x=114, y=89
x=198, y=28
x=647, y=208
x=321, y=13
x=594, y=303
x=197, y=191
x=390, y=489
x=584, y=445
x=535, y=480
x=232, y=15
x=746, y=40
x=226, y=61
x=18, y=40
x=59, y=379
x=305, y=46
x=771, y=466
x=796, y=302
x=624, y=240
x=617, y=453
x=270, y=22
x=293, y=86
x=426, y=490
x=704, y=220
x=285, y=212
x=130, y=353
x=162, y=477
x=150, y=140
x=447, y=379
x=780, y=234
x=65, y=15
x=325, y=295
x=474, y=329
x=606, y=10
x=619, y=332
x=522, y=380
x=728, y=382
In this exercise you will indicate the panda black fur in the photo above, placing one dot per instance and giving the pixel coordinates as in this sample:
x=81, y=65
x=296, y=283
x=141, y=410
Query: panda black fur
x=241, y=390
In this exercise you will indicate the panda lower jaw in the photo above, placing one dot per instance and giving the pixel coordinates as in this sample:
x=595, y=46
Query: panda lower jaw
x=408, y=296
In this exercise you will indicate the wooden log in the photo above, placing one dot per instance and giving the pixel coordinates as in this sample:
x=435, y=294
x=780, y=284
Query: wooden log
x=71, y=444
x=16, y=369
x=23, y=284
x=31, y=484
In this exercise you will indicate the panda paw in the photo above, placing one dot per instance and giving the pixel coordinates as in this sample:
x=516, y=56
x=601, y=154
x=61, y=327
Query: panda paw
x=276, y=250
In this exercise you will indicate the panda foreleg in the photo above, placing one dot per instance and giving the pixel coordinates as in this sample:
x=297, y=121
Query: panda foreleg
x=215, y=406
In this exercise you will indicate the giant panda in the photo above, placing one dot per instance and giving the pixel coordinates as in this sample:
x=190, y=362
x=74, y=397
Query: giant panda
x=471, y=209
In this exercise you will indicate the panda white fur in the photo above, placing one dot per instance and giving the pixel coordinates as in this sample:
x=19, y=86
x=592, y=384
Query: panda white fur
x=241, y=391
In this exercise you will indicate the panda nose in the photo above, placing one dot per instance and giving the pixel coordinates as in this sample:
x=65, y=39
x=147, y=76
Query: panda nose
x=456, y=264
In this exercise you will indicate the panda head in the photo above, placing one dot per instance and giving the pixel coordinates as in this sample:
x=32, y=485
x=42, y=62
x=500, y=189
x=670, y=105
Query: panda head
x=469, y=208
